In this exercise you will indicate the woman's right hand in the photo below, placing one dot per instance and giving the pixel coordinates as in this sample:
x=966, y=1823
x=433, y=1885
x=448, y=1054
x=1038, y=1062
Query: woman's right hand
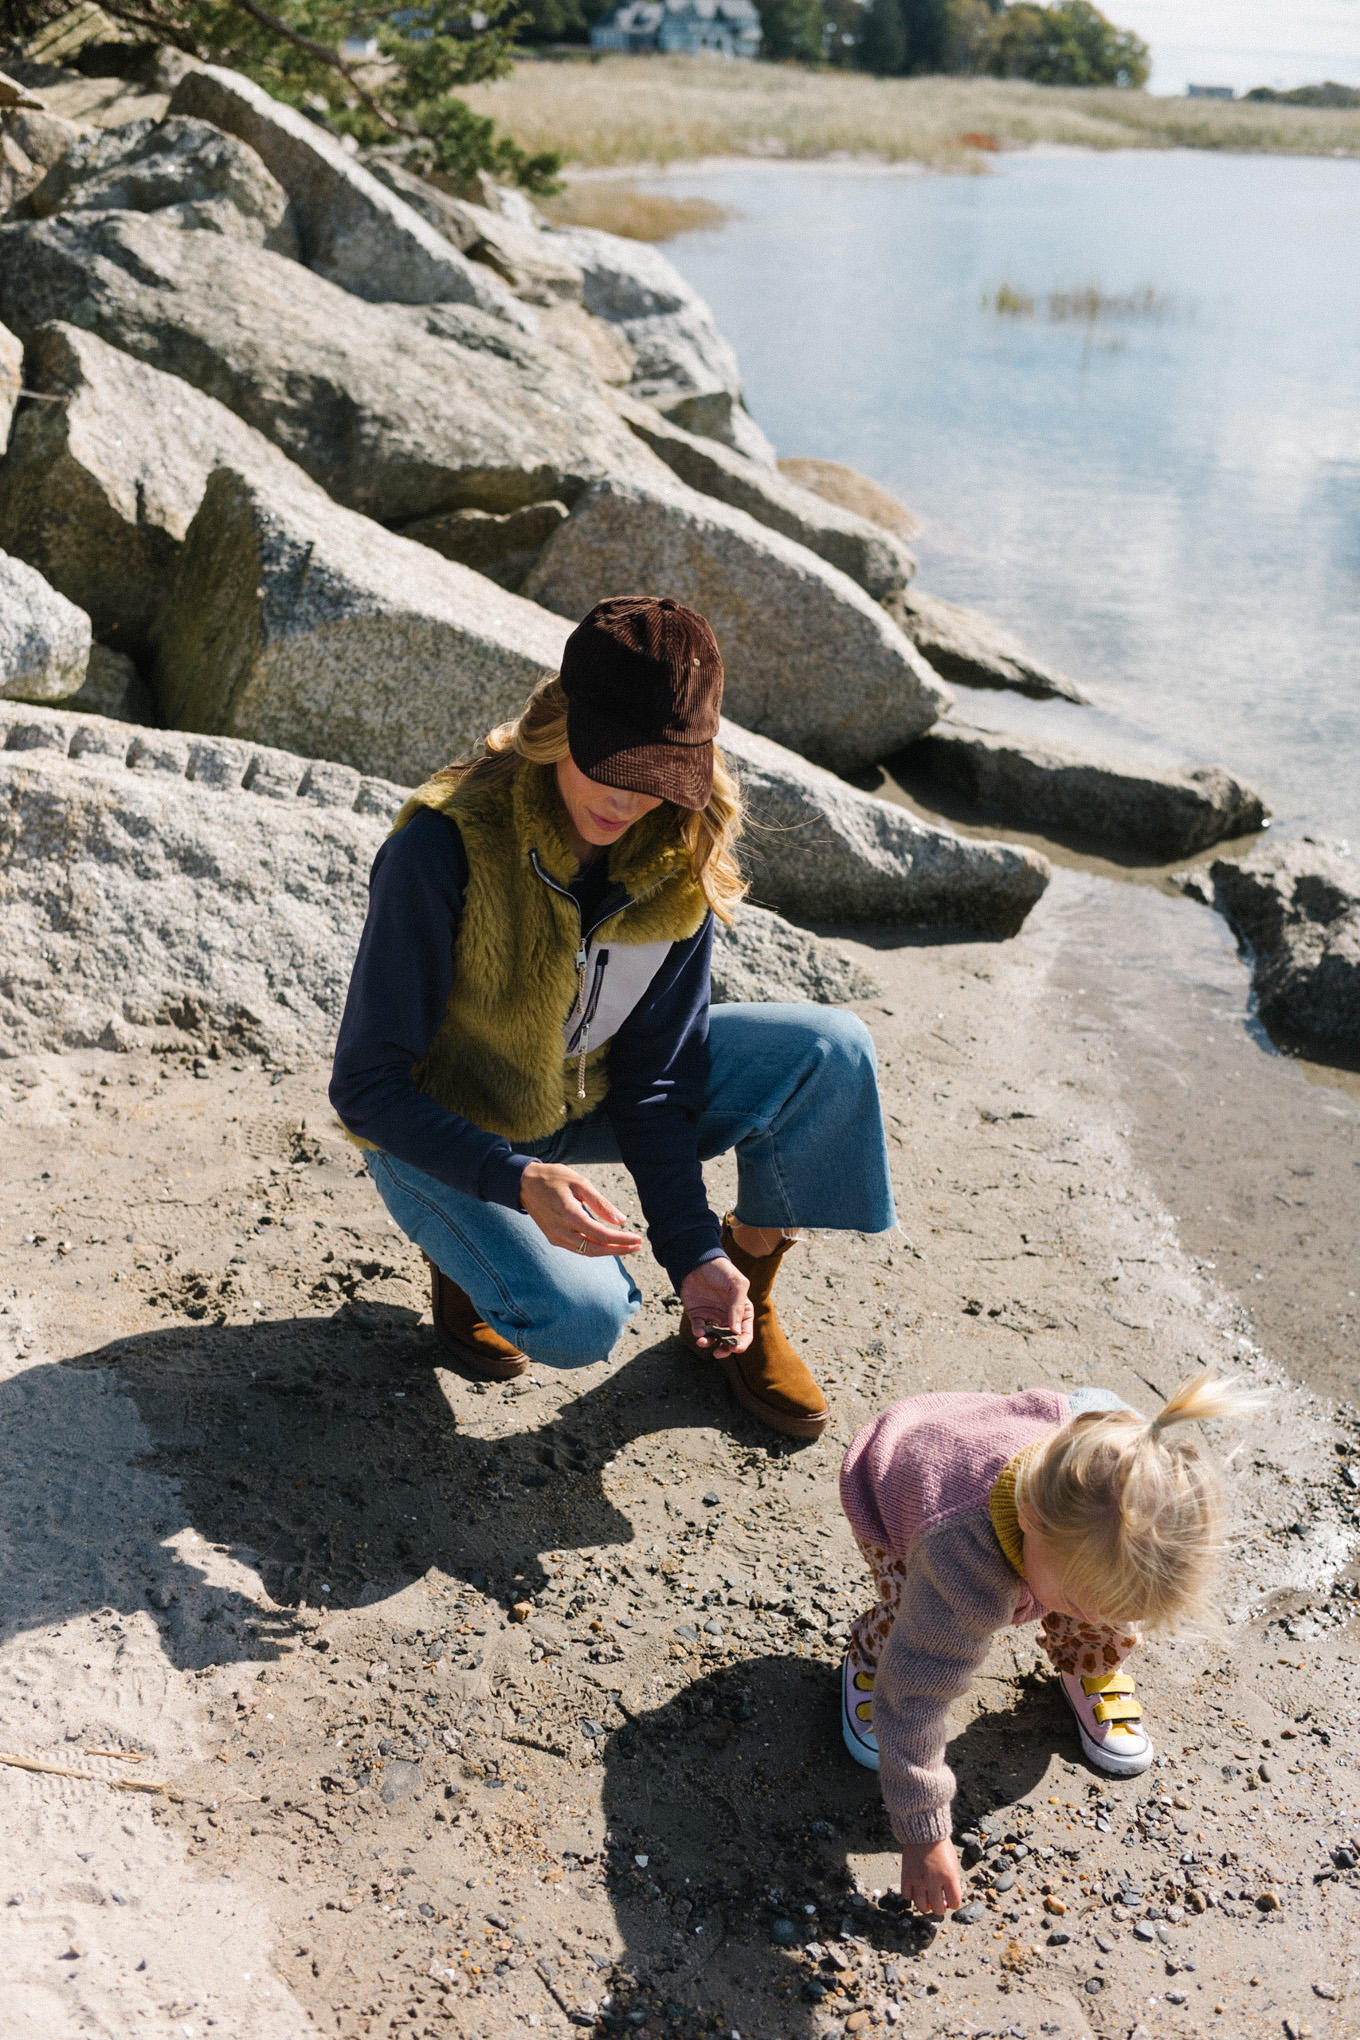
x=567, y=1208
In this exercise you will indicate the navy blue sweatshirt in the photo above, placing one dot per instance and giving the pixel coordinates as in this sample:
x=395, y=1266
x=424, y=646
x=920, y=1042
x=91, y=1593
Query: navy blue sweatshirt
x=403, y=974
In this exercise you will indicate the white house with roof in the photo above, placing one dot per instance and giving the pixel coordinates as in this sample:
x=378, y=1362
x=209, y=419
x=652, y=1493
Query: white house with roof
x=731, y=28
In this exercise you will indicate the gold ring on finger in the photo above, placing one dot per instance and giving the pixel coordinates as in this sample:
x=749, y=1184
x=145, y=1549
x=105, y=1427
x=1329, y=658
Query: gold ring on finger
x=584, y=1244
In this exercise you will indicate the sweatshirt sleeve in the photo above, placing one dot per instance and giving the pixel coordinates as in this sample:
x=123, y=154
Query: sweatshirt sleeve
x=400, y=985
x=658, y=1071
x=959, y=1591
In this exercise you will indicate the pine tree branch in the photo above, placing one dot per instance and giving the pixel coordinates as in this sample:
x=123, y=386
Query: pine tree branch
x=323, y=55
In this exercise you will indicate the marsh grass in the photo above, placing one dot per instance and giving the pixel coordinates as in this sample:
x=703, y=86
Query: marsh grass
x=636, y=110
x=637, y=215
x=1088, y=306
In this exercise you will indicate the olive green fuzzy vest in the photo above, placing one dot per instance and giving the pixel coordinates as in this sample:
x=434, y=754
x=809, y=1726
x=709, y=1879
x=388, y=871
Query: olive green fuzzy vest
x=499, y=1057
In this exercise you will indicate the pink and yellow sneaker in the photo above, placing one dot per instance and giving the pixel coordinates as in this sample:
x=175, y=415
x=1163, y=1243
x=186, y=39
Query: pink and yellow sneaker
x=1108, y=1720
x=857, y=1715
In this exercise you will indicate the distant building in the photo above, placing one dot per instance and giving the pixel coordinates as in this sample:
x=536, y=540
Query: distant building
x=729, y=27
x=1209, y=92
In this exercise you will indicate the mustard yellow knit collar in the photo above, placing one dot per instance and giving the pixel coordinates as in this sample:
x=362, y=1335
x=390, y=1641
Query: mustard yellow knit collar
x=1001, y=1506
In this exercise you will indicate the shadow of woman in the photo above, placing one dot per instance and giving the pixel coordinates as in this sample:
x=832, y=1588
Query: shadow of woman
x=734, y=1816
x=323, y=1455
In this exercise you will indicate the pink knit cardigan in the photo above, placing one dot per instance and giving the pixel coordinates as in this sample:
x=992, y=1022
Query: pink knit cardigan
x=916, y=1483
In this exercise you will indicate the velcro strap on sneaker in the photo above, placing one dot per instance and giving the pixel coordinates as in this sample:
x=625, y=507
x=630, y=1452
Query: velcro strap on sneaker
x=1117, y=1710
x=1107, y=1682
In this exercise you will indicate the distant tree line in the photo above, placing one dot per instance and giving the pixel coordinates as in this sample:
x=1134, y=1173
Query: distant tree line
x=1068, y=43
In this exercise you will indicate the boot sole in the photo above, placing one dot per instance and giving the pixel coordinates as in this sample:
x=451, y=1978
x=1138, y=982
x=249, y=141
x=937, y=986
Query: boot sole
x=778, y=1420
x=472, y=1365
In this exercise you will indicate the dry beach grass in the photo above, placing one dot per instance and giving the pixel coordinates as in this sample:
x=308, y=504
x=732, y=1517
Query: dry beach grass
x=630, y=110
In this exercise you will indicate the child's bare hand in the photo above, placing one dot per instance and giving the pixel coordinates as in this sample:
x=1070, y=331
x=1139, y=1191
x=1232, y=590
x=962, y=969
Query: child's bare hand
x=930, y=1877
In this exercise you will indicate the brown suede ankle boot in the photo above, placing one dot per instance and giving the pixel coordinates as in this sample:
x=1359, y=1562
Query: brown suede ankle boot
x=768, y=1379
x=475, y=1351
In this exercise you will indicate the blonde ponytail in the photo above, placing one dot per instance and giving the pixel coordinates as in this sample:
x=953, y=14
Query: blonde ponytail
x=1134, y=1515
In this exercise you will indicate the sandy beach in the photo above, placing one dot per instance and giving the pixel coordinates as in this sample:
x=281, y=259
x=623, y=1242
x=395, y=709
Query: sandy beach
x=463, y=1711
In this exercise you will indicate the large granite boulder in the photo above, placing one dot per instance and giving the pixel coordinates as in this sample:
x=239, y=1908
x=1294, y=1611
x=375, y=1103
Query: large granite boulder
x=526, y=262
x=98, y=491
x=350, y=228
x=969, y=648
x=187, y=172
x=1158, y=814
x=1295, y=908
x=178, y=890
x=819, y=850
x=505, y=547
x=297, y=623
x=866, y=552
x=44, y=639
x=681, y=362
x=395, y=411
x=850, y=489
x=764, y=957
x=811, y=660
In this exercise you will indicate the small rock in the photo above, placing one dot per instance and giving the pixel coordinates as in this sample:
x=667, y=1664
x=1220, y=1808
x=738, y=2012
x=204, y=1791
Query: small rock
x=1324, y=1990
x=857, y=2022
x=712, y=1499
x=1175, y=1997
x=400, y=1780
x=1094, y=1985
x=521, y=1611
x=1143, y=1930
x=784, y=1934
x=969, y=1915
x=1297, y=2029
x=1059, y=1938
x=1105, y=1944
x=1054, y=1905
x=1005, y=1881
x=1268, y=1902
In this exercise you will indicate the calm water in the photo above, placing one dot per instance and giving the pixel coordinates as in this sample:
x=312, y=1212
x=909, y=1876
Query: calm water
x=1165, y=506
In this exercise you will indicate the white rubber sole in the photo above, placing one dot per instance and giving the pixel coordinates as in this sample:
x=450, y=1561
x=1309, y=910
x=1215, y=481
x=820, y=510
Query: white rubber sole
x=1097, y=1753
x=863, y=1753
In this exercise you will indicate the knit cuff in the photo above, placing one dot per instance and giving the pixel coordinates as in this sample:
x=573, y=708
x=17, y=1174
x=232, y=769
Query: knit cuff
x=931, y=1824
x=500, y=1177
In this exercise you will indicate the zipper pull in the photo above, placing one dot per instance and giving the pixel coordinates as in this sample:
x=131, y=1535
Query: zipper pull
x=581, y=1060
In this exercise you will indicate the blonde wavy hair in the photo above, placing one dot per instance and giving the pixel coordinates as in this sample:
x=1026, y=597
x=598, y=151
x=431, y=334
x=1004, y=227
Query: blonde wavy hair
x=1131, y=1508
x=539, y=734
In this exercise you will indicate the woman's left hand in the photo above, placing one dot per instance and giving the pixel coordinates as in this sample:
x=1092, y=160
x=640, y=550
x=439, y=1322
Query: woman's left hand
x=719, y=1294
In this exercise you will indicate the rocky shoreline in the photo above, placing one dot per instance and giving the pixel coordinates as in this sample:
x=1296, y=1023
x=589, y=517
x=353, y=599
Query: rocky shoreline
x=455, y=1712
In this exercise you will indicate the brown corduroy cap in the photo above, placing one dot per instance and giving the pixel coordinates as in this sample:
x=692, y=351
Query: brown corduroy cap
x=643, y=678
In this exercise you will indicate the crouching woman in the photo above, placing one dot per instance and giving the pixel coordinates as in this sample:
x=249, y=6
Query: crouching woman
x=531, y=995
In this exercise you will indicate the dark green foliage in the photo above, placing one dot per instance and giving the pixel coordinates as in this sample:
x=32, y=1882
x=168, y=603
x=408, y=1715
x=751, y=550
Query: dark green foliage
x=905, y=37
x=1329, y=94
x=295, y=49
x=883, y=42
x=1071, y=43
x=844, y=26
x=559, y=21
x=795, y=29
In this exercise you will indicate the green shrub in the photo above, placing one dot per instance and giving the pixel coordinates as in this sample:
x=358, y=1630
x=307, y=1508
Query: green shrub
x=1070, y=43
x=405, y=95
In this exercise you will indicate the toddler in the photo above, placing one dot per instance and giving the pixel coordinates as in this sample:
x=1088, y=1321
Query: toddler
x=975, y=1511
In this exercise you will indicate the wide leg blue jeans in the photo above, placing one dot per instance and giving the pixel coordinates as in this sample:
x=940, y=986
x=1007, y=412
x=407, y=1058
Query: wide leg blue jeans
x=793, y=1089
